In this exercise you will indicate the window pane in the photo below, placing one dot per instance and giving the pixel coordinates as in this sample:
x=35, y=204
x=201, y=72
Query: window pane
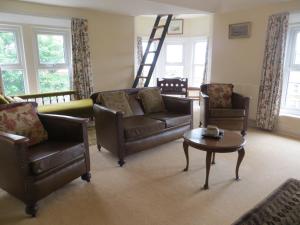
x=174, y=71
x=197, y=76
x=200, y=52
x=8, y=48
x=54, y=80
x=51, y=48
x=293, y=93
x=297, y=57
x=13, y=81
x=174, y=53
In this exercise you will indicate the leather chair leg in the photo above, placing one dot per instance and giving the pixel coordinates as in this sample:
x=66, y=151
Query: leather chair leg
x=121, y=162
x=243, y=132
x=87, y=177
x=31, y=209
x=99, y=148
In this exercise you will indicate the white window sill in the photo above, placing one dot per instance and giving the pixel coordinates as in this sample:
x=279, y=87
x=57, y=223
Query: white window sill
x=289, y=115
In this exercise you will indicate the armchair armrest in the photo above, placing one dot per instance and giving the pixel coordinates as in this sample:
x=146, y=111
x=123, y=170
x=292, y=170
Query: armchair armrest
x=204, y=108
x=239, y=101
x=14, y=170
x=109, y=129
x=64, y=128
x=178, y=105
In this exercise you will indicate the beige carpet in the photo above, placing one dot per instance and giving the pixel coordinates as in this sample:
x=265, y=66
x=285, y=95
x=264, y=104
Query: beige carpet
x=152, y=189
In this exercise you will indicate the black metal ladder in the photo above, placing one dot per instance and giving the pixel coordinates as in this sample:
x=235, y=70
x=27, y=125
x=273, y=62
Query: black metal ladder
x=146, y=79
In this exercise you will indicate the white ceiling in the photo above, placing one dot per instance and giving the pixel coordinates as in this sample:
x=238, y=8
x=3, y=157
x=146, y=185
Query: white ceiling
x=148, y=7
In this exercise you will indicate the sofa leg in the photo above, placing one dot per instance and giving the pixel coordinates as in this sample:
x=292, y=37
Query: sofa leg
x=121, y=162
x=87, y=177
x=31, y=209
x=243, y=133
x=99, y=148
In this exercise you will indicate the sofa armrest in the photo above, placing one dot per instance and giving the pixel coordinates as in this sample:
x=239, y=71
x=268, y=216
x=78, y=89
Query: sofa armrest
x=65, y=128
x=14, y=169
x=178, y=105
x=109, y=129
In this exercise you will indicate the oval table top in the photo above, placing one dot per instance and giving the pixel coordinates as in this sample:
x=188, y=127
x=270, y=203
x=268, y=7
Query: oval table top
x=231, y=141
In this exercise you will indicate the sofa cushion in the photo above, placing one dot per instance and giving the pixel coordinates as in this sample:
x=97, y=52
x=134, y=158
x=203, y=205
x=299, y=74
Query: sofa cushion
x=223, y=113
x=72, y=108
x=22, y=119
x=51, y=154
x=152, y=100
x=220, y=95
x=172, y=119
x=140, y=126
x=135, y=104
x=116, y=100
x=3, y=100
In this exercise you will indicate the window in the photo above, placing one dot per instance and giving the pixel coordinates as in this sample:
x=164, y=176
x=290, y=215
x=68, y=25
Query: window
x=11, y=60
x=53, y=60
x=180, y=57
x=291, y=87
x=35, y=54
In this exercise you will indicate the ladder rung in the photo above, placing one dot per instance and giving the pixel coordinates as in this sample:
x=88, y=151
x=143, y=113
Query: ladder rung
x=147, y=64
x=163, y=15
x=141, y=77
x=155, y=39
x=158, y=27
x=152, y=52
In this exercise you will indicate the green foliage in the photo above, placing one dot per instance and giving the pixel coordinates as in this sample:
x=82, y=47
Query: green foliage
x=51, y=49
x=13, y=81
x=8, y=51
x=54, y=80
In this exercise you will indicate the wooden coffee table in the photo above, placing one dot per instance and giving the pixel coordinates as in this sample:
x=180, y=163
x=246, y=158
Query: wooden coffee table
x=230, y=142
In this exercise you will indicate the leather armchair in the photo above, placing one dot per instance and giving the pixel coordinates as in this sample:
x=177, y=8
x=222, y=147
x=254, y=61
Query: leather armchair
x=235, y=118
x=32, y=173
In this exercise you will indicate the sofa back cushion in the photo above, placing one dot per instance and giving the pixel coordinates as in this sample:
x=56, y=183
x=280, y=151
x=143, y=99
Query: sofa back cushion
x=22, y=119
x=152, y=100
x=116, y=100
x=220, y=95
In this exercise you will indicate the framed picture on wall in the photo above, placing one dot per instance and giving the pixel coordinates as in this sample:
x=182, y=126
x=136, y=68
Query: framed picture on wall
x=176, y=27
x=240, y=30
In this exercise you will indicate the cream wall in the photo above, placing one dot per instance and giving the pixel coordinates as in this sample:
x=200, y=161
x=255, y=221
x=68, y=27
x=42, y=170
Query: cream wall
x=111, y=40
x=239, y=61
x=192, y=27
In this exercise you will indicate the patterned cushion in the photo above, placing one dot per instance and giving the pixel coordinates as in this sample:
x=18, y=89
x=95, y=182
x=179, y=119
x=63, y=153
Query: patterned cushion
x=23, y=120
x=116, y=100
x=220, y=95
x=151, y=100
x=10, y=99
x=3, y=100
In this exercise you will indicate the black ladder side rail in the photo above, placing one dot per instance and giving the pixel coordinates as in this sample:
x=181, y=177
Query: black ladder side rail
x=156, y=52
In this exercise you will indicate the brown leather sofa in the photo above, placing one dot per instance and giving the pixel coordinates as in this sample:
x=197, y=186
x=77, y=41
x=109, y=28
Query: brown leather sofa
x=31, y=173
x=234, y=118
x=124, y=136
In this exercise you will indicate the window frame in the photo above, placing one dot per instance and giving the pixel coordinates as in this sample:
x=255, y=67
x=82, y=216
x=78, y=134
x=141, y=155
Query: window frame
x=21, y=65
x=66, y=33
x=289, y=65
x=202, y=39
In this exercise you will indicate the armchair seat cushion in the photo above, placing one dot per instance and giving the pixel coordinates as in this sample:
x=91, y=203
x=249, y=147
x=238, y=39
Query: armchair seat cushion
x=172, y=119
x=140, y=126
x=52, y=154
x=226, y=113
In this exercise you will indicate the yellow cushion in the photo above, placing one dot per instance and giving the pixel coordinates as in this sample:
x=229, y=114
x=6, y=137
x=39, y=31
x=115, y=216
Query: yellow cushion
x=66, y=106
x=3, y=100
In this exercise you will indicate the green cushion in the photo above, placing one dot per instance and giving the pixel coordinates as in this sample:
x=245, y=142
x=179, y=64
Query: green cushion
x=3, y=100
x=81, y=108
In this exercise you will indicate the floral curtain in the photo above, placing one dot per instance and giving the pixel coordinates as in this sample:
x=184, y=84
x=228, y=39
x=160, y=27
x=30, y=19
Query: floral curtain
x=206, y=64
x=271, y=81
x=82, y=72
x=1, y=84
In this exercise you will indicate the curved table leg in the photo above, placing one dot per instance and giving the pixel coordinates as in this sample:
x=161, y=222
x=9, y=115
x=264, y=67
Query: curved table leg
x=208, y=164
x=186, y=152
x=213, y=158
x=239, y=161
